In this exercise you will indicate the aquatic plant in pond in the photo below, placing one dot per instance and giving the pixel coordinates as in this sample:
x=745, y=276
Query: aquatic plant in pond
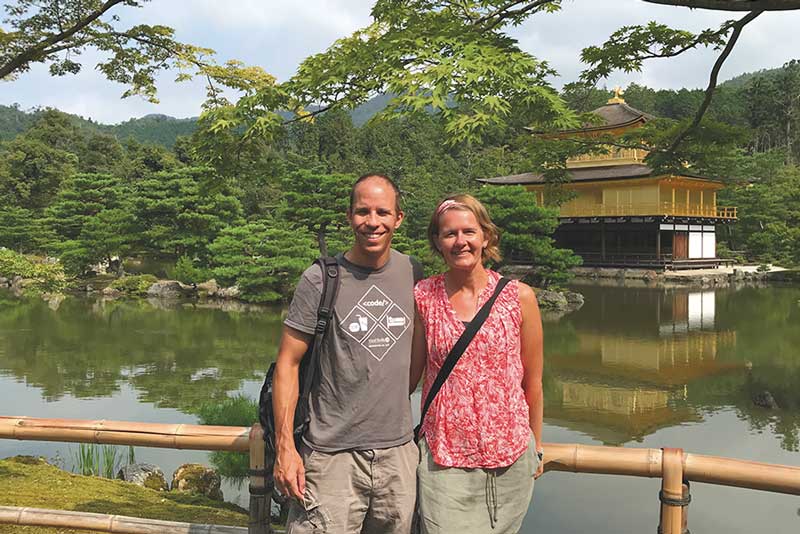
x=91, y=459
x=236, y=411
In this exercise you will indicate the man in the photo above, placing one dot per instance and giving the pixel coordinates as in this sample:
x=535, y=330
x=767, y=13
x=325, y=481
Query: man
x=357, y=472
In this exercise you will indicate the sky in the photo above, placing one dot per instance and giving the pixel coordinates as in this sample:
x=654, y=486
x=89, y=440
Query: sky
x=278, y=34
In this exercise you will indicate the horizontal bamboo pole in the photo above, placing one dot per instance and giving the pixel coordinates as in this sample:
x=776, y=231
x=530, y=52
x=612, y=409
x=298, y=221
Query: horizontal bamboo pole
x=602, y=460
x=39, y=517
x=742, y=473
x=558, y=456
x=170, y=436
x=648, y=463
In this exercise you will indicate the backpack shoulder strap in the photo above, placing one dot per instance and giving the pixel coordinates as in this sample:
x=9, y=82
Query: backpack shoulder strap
x=330, y=288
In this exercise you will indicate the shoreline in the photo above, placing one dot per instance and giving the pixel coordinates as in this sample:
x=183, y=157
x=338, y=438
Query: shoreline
x=708, y=278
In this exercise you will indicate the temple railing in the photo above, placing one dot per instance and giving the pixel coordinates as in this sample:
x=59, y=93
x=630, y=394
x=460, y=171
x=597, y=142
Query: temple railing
x=653, y=209
x=615, y=156
x=675, y=468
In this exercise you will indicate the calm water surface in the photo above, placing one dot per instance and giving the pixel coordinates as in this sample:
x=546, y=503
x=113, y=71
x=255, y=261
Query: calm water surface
x=635, y=366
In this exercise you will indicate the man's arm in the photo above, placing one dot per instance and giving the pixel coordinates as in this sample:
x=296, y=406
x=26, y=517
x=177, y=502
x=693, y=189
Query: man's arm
x=289, y=472
x=531, y=349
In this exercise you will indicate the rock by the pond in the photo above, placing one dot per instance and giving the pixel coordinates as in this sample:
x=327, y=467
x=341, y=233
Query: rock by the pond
x=650, y=276
x=146, y=475
x=552, y=300
x=765, y=400
x=53, y=300
x=575, y=300
x=229, y=292
x=167, y=289
x=110, y=292
x=208, y=289
x=197, y=478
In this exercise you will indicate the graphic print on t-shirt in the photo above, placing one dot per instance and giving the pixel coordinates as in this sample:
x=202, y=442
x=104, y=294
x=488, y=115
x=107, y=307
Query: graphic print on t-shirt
x=376, y=322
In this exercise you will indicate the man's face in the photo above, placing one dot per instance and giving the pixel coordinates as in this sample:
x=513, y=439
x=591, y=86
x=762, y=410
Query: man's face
x=374, y=216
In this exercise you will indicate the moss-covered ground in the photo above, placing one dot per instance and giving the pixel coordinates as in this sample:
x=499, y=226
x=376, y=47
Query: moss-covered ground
x=28, y=481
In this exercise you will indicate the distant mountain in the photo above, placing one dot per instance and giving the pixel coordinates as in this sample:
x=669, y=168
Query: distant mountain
x=13, y=121
x=159, y=129
x=164, y=130
x=738, y=82
x=154, y=128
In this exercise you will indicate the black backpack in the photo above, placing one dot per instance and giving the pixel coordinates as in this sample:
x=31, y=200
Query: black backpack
x=309, y=364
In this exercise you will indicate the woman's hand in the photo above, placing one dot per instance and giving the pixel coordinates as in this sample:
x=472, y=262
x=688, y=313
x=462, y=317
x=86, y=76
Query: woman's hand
x=539, y=467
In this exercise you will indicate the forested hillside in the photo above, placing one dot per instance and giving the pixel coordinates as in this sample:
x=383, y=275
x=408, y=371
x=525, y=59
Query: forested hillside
x=255, y=215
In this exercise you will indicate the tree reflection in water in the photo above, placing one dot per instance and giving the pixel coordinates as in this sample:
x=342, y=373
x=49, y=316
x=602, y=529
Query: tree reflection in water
x=176, y=357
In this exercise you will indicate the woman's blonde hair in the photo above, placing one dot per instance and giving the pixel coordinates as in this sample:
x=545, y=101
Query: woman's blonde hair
x=466, y=202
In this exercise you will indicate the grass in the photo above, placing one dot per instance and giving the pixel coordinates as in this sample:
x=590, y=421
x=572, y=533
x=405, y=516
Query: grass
x=28, y=481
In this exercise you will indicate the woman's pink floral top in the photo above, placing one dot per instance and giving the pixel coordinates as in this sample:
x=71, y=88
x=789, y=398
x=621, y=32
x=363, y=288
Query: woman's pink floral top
x=480, y=416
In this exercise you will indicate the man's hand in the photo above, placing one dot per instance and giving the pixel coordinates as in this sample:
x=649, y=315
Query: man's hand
x=290, y=475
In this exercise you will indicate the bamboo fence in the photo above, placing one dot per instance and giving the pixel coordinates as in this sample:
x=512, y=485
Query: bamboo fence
x=675, y=467
x=169, y=436
x=117, y=524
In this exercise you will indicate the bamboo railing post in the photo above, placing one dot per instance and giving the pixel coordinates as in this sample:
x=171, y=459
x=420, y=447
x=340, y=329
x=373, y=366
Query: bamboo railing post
x=687, y=498
x=260, y=494
x=671, y=495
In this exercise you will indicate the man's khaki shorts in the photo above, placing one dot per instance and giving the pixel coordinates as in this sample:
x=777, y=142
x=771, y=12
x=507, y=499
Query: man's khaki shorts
x=371, y=491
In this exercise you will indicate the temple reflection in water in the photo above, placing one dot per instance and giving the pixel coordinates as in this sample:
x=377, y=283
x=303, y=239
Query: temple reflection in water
x=627, y=376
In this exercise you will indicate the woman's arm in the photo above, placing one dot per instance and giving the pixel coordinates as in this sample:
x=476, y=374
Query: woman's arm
x=531, y=350
x=419, y=348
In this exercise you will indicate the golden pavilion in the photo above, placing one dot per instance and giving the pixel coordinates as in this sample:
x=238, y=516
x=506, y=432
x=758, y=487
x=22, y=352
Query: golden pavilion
x=624, y=214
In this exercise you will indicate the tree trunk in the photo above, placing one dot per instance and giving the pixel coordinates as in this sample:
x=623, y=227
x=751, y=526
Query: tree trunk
x=323, y=246
x=789, y=158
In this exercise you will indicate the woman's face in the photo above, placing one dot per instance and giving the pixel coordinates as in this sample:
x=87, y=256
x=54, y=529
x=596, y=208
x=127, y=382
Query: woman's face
x=460, y=240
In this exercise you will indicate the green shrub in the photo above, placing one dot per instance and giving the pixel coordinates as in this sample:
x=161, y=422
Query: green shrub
x=134, y=285
x=265, y=259
x=187, y=272
x=41, y=276
x=237, y=411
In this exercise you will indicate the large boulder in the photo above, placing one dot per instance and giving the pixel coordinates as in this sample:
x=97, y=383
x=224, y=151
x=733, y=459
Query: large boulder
x=111, y=293
x=208, y=289
x=197, y=478
x=145, y=475
x=232, y=292
x=575, y=300
x=552, y=300
x=170, y=289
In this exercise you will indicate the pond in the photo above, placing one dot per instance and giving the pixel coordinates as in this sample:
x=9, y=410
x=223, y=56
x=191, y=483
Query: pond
x=635, y=366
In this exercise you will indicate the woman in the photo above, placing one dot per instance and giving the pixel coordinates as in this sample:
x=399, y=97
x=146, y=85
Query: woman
x=481, y=446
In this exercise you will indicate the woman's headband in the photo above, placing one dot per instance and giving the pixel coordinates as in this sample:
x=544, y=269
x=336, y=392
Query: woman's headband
x=446, y=205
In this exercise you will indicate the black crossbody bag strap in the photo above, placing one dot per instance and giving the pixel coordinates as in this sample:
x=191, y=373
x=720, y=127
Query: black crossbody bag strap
x=330, y=288
x=458, y=349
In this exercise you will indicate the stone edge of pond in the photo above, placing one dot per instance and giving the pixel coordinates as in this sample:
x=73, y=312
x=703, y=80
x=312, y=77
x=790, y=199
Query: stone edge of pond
x=667, y=279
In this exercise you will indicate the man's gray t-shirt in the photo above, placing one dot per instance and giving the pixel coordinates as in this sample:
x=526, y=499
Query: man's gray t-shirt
x=361, y=401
